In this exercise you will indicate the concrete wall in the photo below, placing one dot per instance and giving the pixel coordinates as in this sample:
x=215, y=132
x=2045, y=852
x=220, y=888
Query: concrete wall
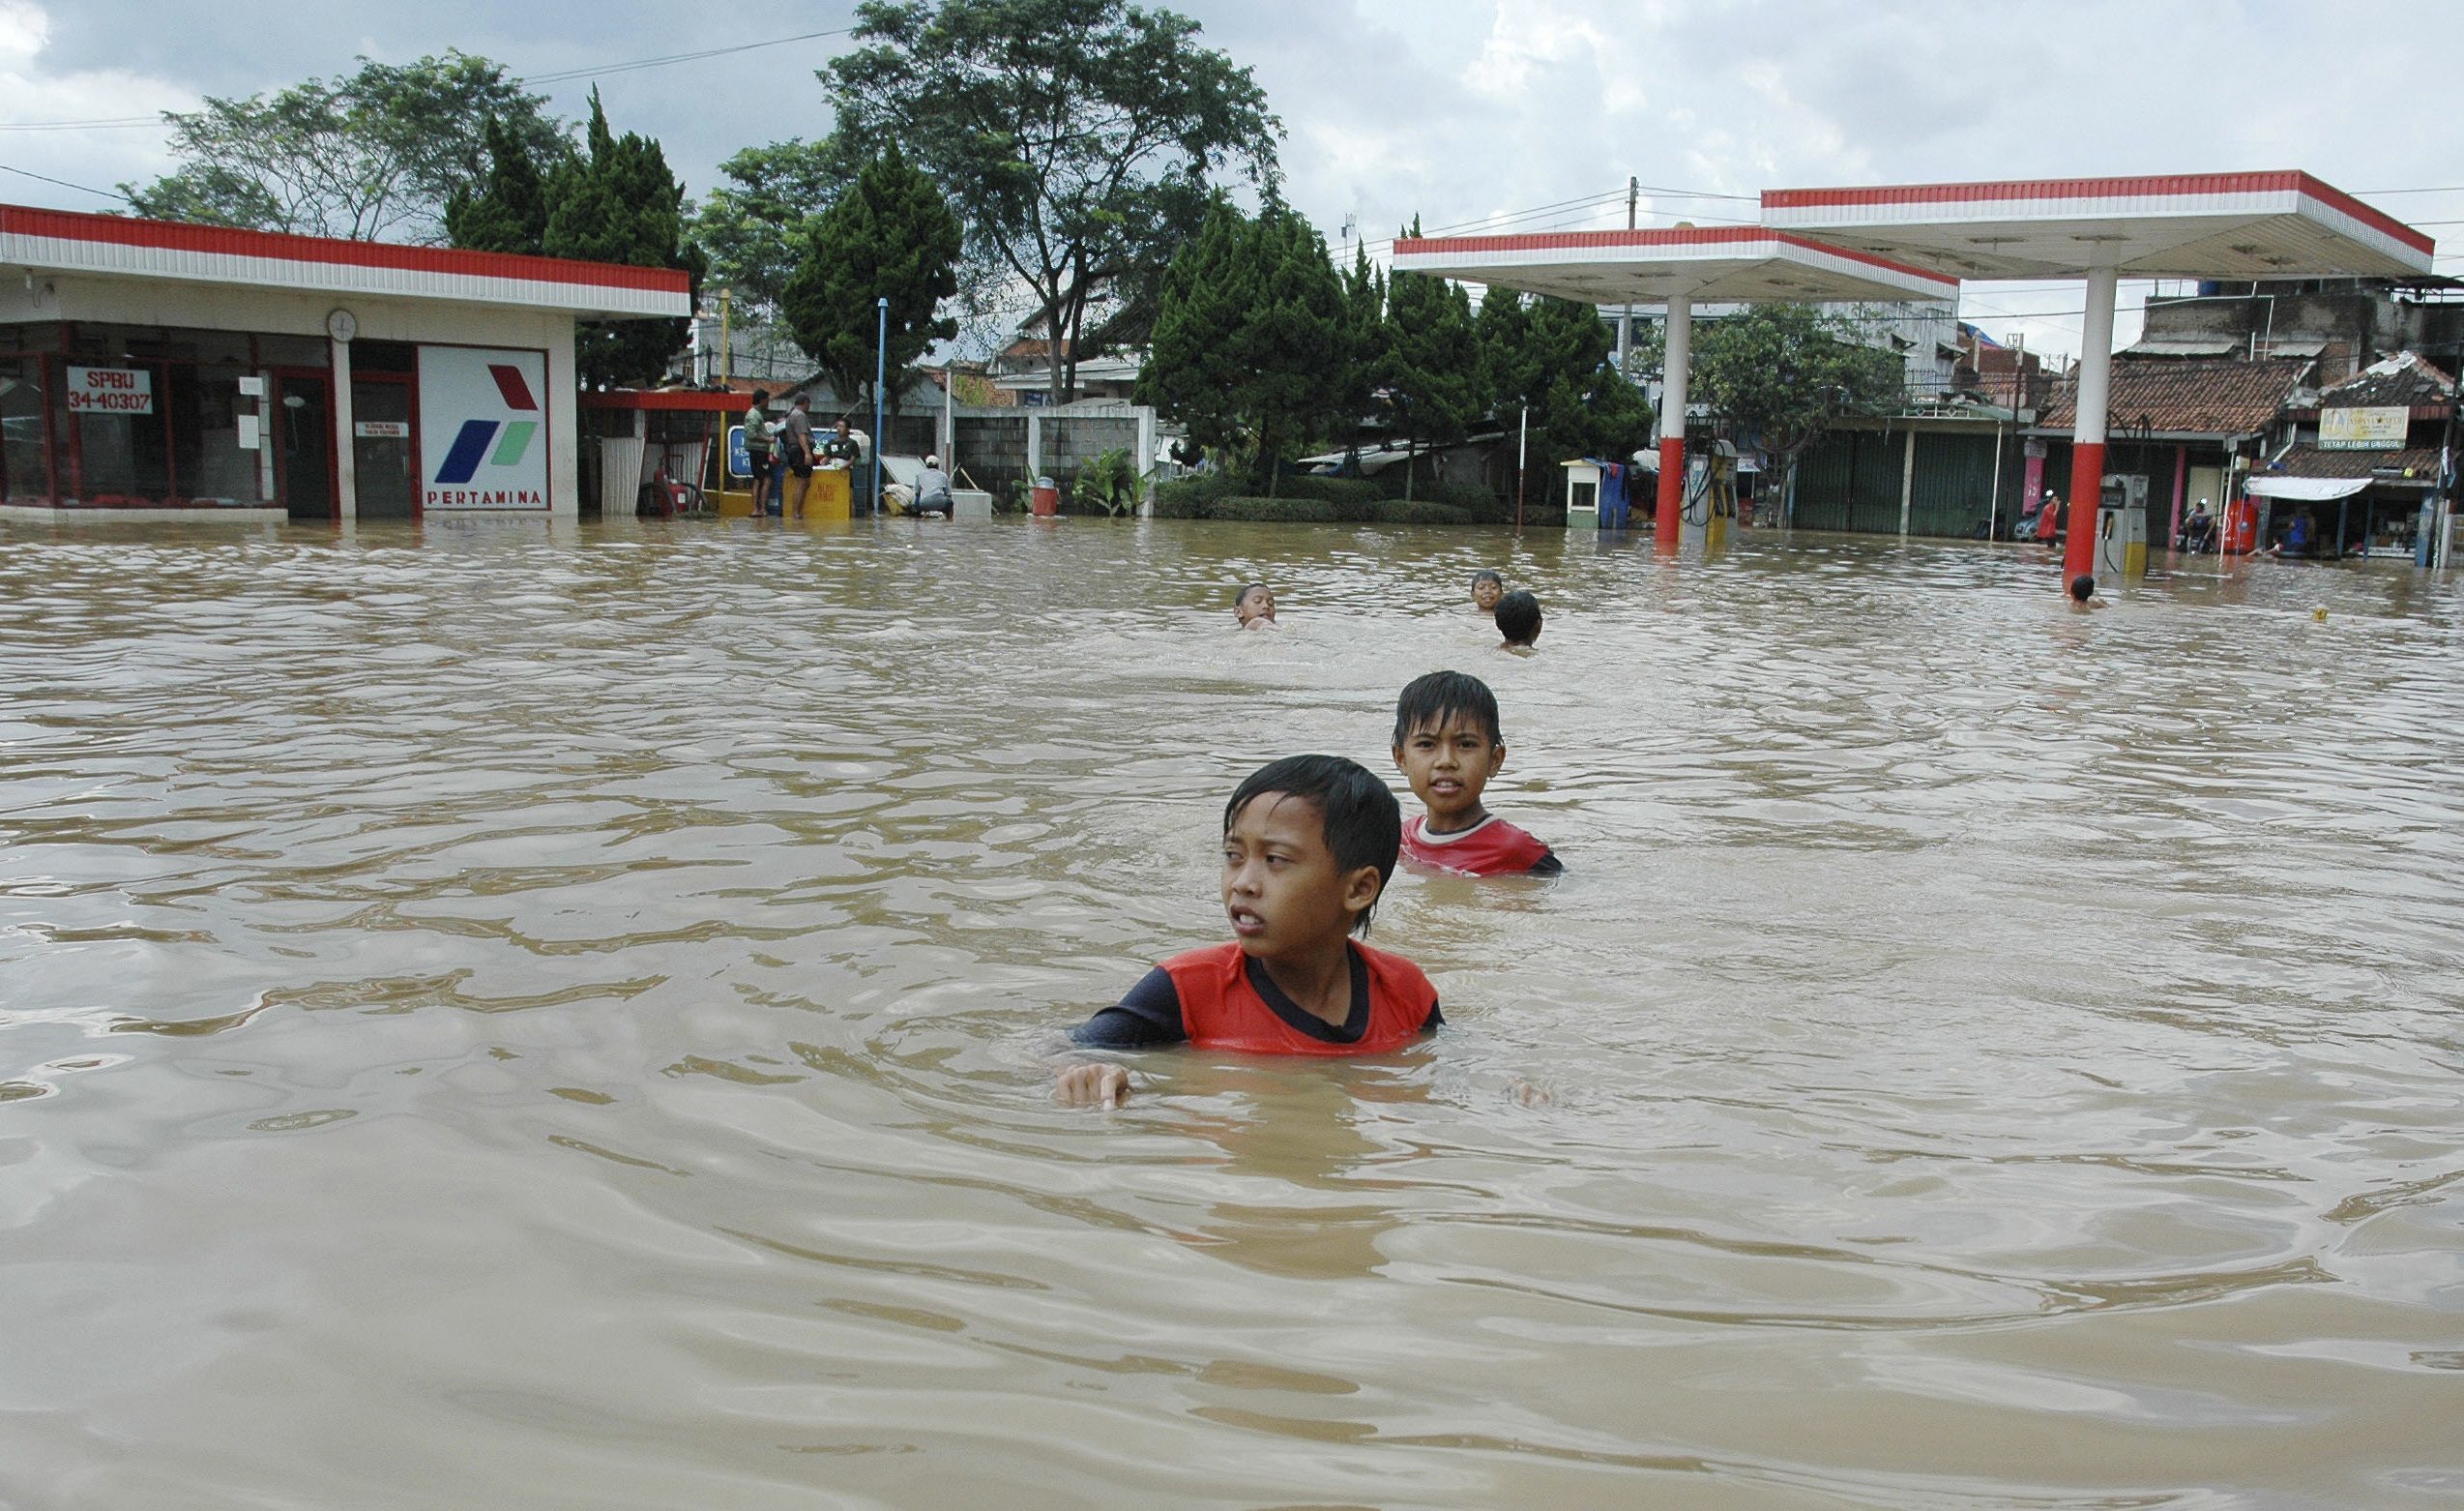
x=283, y=312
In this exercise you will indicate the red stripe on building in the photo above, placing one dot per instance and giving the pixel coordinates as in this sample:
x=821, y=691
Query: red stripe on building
x=2160, y=186
x=323, y=251
x=1714, y=236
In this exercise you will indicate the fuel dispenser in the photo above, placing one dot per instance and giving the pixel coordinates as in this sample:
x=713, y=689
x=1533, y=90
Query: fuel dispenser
x=1710, y=493
x=2122, y=527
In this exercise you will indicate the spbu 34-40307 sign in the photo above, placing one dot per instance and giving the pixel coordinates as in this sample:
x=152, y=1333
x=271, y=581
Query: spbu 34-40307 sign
x=110, y=391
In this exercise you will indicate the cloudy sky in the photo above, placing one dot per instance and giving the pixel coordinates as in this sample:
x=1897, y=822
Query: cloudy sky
x=1465, y=112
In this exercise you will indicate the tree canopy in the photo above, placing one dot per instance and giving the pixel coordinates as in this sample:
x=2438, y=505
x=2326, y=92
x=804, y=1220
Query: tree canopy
x=619, y=203
x=508, y=210
x=1782, y=373
x=1252, y=336
x=1432, y=376
x=891, y=235
x=755, y=228
x=376, y=155
x=1078, y=139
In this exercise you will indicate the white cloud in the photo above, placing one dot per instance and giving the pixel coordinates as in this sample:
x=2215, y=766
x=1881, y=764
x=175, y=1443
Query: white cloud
x=34, y=93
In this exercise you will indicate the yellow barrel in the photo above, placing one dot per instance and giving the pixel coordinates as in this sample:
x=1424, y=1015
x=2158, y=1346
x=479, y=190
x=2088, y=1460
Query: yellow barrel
x=827, y=497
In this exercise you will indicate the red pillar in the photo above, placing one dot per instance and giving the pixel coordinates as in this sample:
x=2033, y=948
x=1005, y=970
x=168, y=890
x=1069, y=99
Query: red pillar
x=1676, y=369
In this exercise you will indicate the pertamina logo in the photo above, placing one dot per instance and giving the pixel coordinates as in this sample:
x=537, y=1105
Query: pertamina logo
x=499, y=443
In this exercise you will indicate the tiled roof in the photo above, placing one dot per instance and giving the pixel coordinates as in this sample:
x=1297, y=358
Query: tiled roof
x=2309, y=462
x=2402, y=379
x=2175, y=396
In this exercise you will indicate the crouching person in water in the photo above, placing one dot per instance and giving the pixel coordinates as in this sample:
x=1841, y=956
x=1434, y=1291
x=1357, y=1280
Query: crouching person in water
x=1309, y=843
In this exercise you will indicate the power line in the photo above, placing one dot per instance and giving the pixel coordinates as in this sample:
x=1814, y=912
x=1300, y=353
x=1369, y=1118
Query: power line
x=561, y=76
x=88, y=188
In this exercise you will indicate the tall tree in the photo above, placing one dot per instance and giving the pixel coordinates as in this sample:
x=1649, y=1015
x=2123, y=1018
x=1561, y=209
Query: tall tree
x=1195, y=370
x=1433, y=376
x=1063, y=130
x=376, y=155
x=618, y=203
x=509, y=211
x=1784, y=375
x=755, y=228
x=1365, y=347
x=889, y=236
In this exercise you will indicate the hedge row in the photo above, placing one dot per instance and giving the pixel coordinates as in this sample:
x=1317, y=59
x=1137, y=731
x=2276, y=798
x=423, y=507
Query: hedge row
x=1325, y=500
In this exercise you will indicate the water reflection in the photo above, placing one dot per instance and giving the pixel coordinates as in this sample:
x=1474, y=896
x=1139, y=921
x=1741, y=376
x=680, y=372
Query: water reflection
x=566, y=1008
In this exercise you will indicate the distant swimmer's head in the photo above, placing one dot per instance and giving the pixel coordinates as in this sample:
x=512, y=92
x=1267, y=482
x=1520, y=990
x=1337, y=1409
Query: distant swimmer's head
x=1309, y=843
x=2083, y=587
x=1487, y=587
x=1518, y=618
x=1255, y=606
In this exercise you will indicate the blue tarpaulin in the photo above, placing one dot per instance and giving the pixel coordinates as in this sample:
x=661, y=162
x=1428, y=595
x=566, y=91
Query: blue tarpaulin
x=1612, y=493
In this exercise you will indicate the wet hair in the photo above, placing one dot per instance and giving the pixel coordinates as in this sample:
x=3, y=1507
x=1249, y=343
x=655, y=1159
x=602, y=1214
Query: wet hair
x=1428, y=700
x=1518, y=618
x=1363, y=823
x=1486, y=575
x=1243, y=591
x=2083, y=587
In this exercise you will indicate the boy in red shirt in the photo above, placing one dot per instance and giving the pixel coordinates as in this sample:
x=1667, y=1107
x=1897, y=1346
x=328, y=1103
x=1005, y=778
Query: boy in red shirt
x=1308, y=844
x=1447, y=744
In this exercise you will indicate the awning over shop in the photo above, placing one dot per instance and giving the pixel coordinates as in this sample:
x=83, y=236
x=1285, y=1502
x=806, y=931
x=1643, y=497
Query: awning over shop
x=2309, y=491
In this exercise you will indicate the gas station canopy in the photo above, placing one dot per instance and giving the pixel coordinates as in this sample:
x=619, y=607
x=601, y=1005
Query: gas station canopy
x=1717, y=264
x=2207, y=225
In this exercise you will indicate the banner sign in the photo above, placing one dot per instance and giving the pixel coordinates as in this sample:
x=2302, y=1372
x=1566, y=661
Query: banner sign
x=740, y=460
x=2364, y=427
x=110, y=391
x=481, y=417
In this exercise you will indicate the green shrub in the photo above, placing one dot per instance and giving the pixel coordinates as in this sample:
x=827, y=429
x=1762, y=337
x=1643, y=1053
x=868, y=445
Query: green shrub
x=1416, y=511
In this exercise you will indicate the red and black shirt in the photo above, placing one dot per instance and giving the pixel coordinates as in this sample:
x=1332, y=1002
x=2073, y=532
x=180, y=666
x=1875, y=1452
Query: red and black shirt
x=1220, y=998
x=1491, y=848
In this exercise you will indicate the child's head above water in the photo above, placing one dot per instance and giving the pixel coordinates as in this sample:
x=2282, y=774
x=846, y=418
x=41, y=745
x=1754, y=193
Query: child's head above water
x=2083, y=587
x=1309, y=843
x=1518, y=618
x=1252, y=603
x=1447, y=745
x=1487, y=587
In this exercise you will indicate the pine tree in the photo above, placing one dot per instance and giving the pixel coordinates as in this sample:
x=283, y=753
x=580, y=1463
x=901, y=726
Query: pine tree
x=892, y=235
x=1294, y=343
x=1364, y=347
x=618, y=203
x=1432, y=366
x=510, y=211
x=1195, y=365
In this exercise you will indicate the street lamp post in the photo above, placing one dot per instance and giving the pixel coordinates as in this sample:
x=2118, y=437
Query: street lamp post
x=880, y=375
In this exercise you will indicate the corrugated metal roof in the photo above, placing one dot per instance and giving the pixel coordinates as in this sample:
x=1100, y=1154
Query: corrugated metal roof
x=122, y=246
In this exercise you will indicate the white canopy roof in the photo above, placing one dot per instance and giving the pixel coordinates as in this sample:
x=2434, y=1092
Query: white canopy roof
x=1743, y=263
x=2225, y=225
x=2306, y=489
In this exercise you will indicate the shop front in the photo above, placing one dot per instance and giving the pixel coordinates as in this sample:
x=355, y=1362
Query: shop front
x=151, y=370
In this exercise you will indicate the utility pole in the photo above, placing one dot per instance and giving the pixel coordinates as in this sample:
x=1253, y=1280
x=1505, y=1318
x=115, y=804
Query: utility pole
x=1626, y=320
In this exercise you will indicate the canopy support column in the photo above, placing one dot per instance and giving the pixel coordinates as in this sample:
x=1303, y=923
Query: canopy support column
x=2087, y=443
x=1665, y=520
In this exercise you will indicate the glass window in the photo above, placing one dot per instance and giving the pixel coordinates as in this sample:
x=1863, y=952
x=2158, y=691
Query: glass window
x=26, y=479
x=204, y=406
x=40, y=336
x=384, y=357
x=294, y=351
x=122, y=456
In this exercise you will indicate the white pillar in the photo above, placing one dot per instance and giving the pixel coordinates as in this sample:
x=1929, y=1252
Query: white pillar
x=2087, y=436
x=1907, y=481
x=346, y=465
x=1672, y=422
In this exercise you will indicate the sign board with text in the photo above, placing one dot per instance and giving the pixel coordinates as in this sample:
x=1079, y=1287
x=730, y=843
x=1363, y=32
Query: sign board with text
x=2364, y=428
x=110, y=391
x=480, y=418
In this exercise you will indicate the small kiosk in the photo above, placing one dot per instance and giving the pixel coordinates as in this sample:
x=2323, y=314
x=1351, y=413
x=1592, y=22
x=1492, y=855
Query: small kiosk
x=654, y=445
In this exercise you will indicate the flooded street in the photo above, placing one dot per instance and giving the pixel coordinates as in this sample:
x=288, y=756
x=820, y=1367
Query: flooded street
x=512, y=1018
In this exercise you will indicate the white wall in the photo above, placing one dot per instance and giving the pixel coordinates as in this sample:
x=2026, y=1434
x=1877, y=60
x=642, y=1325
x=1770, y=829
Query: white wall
x=283, y=312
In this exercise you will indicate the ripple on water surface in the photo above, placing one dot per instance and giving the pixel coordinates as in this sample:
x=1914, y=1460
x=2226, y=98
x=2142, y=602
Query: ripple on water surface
x=527, y=1017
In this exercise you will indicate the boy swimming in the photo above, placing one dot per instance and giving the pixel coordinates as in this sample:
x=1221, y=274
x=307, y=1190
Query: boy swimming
x=2083, y=593
x=1309, y=843
x=1518, y=620
x=1254, y=606
x=1448, y=744
x=1487, y=587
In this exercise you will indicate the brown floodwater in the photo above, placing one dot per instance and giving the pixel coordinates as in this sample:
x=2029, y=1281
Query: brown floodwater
x=538, y=1019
